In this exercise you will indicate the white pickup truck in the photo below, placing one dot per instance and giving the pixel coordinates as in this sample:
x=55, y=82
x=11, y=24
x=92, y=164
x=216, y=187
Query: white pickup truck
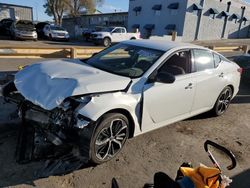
x=112, y=35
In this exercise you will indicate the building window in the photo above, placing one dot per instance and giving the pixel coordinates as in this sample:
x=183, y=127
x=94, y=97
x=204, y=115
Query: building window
x=224, y=14
x=137, y=10
x=170, y=29
x=213, y=12
x=196, y=8
x=244, y=20
x=148, y=28
x=157, y=9
x=173, y=6
x=235, y=17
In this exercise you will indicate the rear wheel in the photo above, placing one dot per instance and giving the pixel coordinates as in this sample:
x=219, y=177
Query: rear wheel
x=50, y=37
x=223, y=101
x=109, y=138
x=106, y=42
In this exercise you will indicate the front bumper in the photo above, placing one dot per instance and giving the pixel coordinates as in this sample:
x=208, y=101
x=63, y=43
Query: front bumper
x=31, y=37
x=60, y=37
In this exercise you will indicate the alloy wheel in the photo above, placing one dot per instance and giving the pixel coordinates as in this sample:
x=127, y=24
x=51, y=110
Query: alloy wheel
x=110, y=140
x=224, y=100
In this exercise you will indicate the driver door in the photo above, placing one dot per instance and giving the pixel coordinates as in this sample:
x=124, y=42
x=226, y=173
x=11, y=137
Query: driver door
x=117, y=35
x=166, y=103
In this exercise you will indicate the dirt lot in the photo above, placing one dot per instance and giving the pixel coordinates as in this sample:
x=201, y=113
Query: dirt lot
x=161, y=150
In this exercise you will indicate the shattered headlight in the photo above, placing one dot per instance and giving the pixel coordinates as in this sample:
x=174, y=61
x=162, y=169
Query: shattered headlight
x=74, y=102
x=83, y=99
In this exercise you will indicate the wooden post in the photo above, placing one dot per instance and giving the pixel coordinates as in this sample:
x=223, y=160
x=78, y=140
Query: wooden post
x=245, y=49
x=211, y=47
x=73, y=53
x=174, y=34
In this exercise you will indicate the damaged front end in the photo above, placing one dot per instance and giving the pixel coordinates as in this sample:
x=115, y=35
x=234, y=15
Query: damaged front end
x=52, y=134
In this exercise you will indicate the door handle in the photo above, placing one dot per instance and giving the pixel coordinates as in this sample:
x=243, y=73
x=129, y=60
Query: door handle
x=221, y=75
x=190, y=86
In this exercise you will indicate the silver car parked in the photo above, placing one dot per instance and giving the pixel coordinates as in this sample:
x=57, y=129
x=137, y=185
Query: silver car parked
x=23, y=29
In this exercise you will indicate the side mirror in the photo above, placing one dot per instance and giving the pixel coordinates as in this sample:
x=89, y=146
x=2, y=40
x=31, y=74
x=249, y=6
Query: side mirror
x=165, y=77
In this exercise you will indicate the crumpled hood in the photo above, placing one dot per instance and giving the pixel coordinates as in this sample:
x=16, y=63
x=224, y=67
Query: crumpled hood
x=47, y=84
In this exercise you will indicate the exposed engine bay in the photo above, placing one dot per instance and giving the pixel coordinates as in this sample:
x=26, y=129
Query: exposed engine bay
x=61, y=137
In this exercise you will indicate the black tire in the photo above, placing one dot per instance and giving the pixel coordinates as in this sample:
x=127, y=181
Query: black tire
x=105, y=145
x=50, y=37
x=223, y=102
x=133, y=38
x=106, y=42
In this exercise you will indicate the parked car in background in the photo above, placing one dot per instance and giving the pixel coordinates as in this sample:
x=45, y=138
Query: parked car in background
x=54, y=32
x=39, y=29
x=86, y=34
x=113, y=35
x=5, y=25
x=126, y=90
x=23, y=29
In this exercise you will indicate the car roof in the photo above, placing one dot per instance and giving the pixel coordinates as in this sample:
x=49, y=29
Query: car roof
x=163, y=45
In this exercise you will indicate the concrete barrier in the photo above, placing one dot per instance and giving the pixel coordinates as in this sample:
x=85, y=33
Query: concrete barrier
x=45, y=52
x=78, y=52
x=243, y=48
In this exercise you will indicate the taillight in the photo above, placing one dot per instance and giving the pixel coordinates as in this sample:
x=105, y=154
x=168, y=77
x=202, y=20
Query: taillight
x=240, y=70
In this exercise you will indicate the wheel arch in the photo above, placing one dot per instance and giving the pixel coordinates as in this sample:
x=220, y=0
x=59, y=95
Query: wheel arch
x=108, y=38
x=128, y=115
x=232, y=87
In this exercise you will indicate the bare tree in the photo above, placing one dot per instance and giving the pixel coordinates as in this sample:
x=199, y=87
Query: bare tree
x=56, y=8
x=75, y=6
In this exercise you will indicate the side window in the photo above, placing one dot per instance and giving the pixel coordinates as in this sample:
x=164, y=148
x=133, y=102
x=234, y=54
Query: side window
x=217, y=60
x=178, y=64
x=118, y=30
x=203, y=60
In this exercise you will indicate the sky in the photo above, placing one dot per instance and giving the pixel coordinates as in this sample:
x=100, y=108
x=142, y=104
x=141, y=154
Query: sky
x=38, y=10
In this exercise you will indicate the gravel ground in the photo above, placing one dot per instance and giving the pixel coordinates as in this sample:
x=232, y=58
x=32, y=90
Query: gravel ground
x=161, y=150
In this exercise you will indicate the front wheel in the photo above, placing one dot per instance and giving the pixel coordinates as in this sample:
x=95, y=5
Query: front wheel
x=223, y=101
x=109, y=138
x=106, y=42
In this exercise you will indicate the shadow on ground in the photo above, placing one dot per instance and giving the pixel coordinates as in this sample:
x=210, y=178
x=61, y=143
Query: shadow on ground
x=241, y=180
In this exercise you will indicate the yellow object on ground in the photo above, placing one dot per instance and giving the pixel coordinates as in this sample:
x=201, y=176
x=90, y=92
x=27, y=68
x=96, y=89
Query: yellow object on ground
x=21, y=67
x=203, y=177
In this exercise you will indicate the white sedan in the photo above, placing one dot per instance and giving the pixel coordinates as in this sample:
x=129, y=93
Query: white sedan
x=125, y=90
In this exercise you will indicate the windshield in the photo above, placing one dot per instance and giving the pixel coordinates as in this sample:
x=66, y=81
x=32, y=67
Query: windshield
x=57, y=28
x=125, y=60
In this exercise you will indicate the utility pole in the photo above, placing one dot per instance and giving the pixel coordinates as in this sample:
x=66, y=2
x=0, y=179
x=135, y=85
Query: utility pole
x=225, y=21
x=202, y=3
x=243, y=8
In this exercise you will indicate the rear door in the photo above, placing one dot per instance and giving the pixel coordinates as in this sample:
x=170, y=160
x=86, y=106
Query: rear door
x=210, y=79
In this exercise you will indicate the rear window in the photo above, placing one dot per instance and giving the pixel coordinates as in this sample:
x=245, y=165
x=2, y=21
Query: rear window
x=203, y=60
x=217, y=60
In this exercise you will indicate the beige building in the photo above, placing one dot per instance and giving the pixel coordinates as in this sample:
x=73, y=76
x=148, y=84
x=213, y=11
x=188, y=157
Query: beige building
x=15, y=12
x=75, y=25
